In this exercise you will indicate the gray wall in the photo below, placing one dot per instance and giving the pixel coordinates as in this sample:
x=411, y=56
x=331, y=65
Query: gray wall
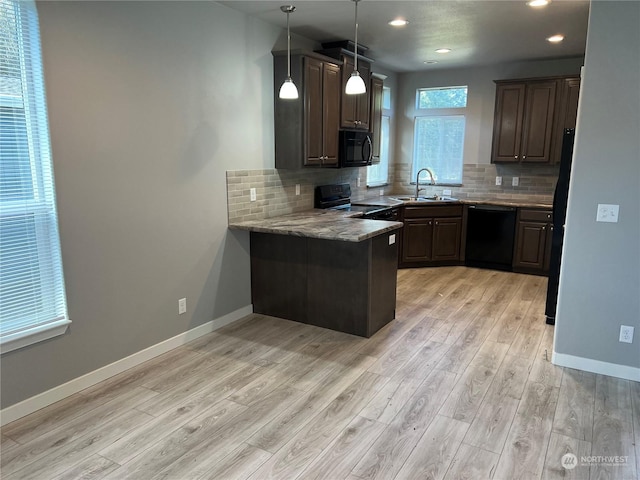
x=149, y=104
x=600, y=278
x=480, y=100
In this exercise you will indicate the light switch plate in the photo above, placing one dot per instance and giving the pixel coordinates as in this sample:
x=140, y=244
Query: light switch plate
x=607, y=213
x=392, y=239
x=297, y=189
x=515, y=181
x=498, y=180
x=381, y=192
x=358, y=182
x=446, y=192
x=252, y=194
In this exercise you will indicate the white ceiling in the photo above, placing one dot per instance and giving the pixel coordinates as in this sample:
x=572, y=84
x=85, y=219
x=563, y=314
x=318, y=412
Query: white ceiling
x=479, y=32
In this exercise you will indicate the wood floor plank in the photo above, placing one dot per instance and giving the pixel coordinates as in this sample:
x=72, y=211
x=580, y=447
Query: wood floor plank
x=613, y=429
x=490, y=427
x=76, y=428
x=457, y=321
x=169, y=449
x=527, y=342
x=424, y=361
x=506, y=328
x=574, y=415
x=524, y=451
x=441, y=440
x=465, y=399
x=229, y=377
x=204, y=455
x=94, y=467
x=384, y=406
x=308, y=443
x=339, y=458
x=75, y=452
x=472, y=463
x=385, y=458
x=560, y=445
x=239, y=464
x=389, y=363
x=278, y=431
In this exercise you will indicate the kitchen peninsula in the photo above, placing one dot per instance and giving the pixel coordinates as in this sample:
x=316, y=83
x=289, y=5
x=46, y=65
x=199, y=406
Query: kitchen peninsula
x=324, y=268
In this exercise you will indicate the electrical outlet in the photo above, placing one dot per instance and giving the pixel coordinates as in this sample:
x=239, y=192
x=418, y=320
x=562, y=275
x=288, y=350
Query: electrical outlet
x=626, y=334
x=297, y=189
x=498, y=180
x=515, y=181
x=358, y=182
x=381, y=192
x=252, y=194
x=607, y=213
x=446, y=192
x=182, y=306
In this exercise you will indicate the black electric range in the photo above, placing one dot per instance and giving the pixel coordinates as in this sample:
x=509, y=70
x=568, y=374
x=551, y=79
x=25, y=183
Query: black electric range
x=338, y=197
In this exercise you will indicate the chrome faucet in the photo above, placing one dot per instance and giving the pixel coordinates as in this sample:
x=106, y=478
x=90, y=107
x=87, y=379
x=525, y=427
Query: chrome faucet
x=433, y=181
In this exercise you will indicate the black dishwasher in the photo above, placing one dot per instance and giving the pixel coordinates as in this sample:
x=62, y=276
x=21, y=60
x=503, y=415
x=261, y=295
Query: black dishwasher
x=490, y=236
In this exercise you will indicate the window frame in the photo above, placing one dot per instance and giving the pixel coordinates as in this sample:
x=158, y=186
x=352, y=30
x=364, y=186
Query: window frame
x=426, y=112
x=42, y=204
x=386, y=152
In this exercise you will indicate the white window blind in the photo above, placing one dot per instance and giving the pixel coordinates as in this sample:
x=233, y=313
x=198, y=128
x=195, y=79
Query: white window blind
x=32, y=295
x=378, y=174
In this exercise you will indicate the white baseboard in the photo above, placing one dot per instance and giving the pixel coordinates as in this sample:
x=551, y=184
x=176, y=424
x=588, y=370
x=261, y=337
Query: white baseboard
x=55, y=394
x=596, y=366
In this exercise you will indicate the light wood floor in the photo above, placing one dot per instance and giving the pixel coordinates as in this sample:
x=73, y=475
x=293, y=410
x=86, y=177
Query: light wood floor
x=459, y=386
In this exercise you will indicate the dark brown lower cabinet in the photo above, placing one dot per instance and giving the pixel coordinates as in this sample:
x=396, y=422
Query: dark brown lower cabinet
x=533, y=241
x=431, y=236
x=344, y=286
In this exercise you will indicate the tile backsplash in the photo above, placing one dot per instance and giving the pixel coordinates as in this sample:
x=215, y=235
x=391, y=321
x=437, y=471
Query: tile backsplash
x=276, y=189
x=535, y=182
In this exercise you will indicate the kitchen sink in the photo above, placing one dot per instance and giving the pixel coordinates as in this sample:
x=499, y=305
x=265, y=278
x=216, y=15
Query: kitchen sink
x=425, y=199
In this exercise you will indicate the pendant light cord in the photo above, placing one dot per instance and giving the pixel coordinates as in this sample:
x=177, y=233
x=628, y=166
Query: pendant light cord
x=288, y=49
x=356, y=48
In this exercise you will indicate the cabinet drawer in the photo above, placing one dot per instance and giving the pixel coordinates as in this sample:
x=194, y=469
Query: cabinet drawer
x=535, y=215
x=433, y=211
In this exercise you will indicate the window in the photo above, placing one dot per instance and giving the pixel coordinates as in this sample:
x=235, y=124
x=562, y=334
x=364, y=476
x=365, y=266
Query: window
x=439, y=133
x=378, y=174
x=32, y=296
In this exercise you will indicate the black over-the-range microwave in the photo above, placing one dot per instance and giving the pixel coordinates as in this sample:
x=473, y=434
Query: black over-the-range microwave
x=356, y=149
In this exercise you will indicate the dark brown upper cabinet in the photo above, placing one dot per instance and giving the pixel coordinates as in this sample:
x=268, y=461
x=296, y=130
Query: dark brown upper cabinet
x=567, y=114
x=375, y=121
x=523, y=122
x=306, y=129
x=529, y=119
x=355, y=108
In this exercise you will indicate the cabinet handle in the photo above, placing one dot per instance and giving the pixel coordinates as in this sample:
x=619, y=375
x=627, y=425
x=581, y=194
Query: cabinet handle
x=515, y=156
x=429, y=222
x=544, y=228
x=549, y=215
x=524, y=156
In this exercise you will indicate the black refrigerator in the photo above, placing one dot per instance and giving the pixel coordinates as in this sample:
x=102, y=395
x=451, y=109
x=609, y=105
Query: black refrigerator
x=560, y=198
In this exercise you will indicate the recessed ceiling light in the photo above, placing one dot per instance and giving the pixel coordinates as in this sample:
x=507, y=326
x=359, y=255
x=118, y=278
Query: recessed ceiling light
x=555, y=38
x=429, y=62
x=398, y=22
x=538, y=3
x=443, y=50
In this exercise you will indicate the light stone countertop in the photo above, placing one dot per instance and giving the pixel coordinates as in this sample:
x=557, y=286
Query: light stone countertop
x=524, y=202
x=323, y=224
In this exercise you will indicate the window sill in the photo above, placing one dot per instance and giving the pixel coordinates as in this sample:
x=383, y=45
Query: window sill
x=378, y=185
x=438, y=184
x=8, y=343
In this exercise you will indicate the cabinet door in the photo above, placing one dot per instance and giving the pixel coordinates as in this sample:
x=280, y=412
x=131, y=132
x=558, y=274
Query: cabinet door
x=313, y=111
x=507, y=124
x=331, y=113
x=417, y=237
x=376, y=116
x=566, y=115
x=446, y=238
x=530, y=247
x=363, y=101
x=348, y=116
x=538, y=121
x=547, y=249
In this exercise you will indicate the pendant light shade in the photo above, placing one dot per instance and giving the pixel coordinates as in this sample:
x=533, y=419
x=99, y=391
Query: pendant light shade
x=355, y=85
x=288, y=90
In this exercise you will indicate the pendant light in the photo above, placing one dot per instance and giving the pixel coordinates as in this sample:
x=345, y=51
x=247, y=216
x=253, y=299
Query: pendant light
x=288, y=90
x=355, y=84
